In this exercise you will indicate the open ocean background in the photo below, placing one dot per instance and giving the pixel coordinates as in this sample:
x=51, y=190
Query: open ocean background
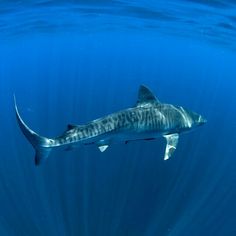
x=74, y=61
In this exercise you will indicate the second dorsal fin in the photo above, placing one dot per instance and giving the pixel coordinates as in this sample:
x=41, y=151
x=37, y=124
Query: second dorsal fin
x=70, y=126
x=146, y=96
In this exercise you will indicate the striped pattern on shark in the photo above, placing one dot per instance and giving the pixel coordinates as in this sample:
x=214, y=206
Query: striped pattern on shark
x=148, y=120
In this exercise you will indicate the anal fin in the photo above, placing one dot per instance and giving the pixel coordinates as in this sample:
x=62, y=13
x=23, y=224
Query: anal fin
x=70, y=147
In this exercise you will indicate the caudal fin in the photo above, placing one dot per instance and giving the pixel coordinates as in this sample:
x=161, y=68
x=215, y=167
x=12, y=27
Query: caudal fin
x=41, y=144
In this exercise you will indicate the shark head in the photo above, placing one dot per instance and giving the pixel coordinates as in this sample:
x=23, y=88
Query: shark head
x=197, y=119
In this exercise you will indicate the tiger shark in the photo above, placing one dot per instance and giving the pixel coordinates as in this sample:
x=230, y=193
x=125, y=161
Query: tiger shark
x=147, y=120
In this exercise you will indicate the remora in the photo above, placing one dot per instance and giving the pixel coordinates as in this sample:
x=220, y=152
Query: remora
x=148, y=120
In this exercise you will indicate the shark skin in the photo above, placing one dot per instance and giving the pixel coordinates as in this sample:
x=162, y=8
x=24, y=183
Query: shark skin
x=148, y=120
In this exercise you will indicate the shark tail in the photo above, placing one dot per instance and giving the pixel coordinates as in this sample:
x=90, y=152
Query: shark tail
x=42, y=145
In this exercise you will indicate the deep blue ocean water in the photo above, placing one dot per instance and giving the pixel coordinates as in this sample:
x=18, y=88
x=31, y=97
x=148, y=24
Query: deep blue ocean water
x=75, y=61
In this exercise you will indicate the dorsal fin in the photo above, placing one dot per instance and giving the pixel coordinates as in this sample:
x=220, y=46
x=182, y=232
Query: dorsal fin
x=70, y=126
x=146, y=96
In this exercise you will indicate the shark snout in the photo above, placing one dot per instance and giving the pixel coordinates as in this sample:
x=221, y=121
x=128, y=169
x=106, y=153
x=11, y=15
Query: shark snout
x=202, y=120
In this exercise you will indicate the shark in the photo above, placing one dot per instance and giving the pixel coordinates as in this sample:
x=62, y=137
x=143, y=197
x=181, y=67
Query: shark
x=148, y=120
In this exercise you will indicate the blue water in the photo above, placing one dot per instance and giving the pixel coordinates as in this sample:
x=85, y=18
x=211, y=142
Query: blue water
x=74, y=61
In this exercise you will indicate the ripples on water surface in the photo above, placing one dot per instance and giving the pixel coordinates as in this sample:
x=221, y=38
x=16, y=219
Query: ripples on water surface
x=211, y=20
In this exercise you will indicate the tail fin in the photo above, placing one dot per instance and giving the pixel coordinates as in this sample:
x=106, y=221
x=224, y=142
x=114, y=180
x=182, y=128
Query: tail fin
x=41, y=144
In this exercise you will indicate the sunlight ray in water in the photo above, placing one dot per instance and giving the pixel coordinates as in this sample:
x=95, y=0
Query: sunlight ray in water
x=70, y=62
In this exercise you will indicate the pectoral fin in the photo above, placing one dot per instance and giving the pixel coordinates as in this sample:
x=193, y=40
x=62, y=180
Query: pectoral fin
x=172, y=141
